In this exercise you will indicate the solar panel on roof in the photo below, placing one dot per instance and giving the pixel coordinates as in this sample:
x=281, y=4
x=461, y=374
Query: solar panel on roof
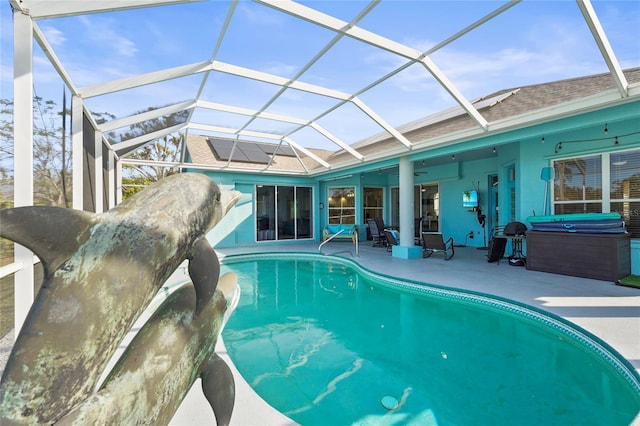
x=253, y=152
x=285, y=150
x=245, y=152
x=222, y=148
x=238, y=155
x=248, y=152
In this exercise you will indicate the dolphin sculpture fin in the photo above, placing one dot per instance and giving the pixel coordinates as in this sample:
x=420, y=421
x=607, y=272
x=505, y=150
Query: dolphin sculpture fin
x=228, y=199
x=204, y=270
x=228, y=286
x=219, y=388
x=51, y=233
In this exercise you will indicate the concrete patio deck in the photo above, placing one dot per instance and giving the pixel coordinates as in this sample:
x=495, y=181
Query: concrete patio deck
x=608, y=311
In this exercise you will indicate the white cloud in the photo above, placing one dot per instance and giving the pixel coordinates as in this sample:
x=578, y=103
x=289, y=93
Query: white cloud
x=104, y=32
x=53, y=35
x=554, y=48
x=281, y=69
x=259, y=15
x=164, y=41
x=43, y=71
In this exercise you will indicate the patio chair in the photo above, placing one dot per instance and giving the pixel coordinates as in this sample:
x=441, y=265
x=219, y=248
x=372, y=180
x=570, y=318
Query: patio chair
x=377, y=232
x=434, y=242
x=391, y=238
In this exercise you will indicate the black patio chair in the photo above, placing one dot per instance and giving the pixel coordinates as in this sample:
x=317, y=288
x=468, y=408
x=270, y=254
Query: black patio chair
x=377, y=233
x=434, y=242
x=391, y=239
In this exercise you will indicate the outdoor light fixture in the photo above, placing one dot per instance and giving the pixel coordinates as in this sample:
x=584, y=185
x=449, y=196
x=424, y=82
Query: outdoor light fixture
x=558, y=147
x=542, y=140
x=616, y=140
x=453, y=156
x=494, y=150
x=606, y=129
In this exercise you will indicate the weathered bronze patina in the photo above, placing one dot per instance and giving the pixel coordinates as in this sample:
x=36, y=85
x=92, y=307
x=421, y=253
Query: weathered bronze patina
x=100, y=272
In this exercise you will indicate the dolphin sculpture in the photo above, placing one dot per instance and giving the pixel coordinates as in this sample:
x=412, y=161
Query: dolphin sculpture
x=173, y=348
x=100, y=273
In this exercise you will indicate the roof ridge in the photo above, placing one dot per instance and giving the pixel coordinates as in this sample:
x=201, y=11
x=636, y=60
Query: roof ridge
x=564, y=80
x=448, y=113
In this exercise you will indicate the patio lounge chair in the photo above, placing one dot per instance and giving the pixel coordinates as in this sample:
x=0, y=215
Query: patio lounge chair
x=376, y=228
x=391, y=238
x=434, y=242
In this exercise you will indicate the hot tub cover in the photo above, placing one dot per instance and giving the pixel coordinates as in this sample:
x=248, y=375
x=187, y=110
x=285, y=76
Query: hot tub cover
x=589, y=223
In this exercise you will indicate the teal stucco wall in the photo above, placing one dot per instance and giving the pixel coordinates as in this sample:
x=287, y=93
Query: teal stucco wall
x=518, y=161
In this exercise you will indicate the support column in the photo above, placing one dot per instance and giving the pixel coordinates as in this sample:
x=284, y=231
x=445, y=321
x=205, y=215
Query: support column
x=118, y=182
x=407, y=249
x=23, y=156
x=98, y=172
x=111, y=180
x=77, y=145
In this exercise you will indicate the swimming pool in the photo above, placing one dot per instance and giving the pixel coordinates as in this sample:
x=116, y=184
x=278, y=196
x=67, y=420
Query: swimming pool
x=326, y=342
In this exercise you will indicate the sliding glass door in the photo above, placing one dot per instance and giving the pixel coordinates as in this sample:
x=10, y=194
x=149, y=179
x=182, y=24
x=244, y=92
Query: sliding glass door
x=283, y=212
x=304, y=201
x=286, y=213
x=426, y=202
x=265, y=212
x=429, y=196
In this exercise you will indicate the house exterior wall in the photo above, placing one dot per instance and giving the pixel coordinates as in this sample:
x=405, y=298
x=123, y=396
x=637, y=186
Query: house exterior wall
x=521, y=149
x=238, y=227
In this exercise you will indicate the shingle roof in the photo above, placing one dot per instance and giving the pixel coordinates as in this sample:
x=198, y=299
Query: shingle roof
x=202, y=153
x=508, y=103
x=524, y=100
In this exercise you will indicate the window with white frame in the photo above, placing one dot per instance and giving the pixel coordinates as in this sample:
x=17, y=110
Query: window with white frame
x=373, y=203
x=342, y=205
x=608, y=182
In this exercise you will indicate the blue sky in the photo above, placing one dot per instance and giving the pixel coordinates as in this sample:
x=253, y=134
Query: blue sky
x=533, y=42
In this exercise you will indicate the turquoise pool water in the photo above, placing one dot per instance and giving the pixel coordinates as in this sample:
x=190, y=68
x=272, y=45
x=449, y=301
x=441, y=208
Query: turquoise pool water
x=326, y=342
